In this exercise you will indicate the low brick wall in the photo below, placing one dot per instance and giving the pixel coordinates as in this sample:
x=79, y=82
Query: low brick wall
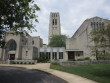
x=19, y=62
x=22, y=61
x=3, y=62
x=70, y=63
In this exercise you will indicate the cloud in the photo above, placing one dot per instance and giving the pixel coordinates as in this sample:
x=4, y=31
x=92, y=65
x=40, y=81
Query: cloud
x=72, y=14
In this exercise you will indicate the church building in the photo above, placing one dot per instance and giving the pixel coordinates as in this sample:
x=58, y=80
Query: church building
x=20, y=47
x=77, y=47
x=26, y=47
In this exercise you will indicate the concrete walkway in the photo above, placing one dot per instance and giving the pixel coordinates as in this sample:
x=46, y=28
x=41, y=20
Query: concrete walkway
x=71, y=78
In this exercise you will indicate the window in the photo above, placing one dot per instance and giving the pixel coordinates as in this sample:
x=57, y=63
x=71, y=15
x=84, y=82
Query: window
x=91, y=24
x=94, y=25
x=78, y=54
x=12, y=46
x=33, y=42
x=48, y=55
x=55, y=21
x=26, y=53
x=54, y=55
x=41, y=54
x=97, y=25
x=102, y=24
x=60, y=55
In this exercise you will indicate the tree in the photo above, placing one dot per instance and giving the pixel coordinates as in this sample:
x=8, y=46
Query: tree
x=101, y=39
x=18, y=16
x=58, y=41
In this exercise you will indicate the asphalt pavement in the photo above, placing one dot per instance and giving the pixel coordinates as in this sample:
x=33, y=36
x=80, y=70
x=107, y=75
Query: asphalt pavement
x=23, y=75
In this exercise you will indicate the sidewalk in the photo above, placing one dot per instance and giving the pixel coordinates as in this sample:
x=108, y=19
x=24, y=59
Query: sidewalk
x=71, y=78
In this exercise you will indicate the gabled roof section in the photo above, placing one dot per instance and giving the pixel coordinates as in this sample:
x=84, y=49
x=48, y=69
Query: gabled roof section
x=93, y=19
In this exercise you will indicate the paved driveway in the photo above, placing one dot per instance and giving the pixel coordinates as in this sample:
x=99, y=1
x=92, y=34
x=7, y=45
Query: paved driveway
x=22, y=75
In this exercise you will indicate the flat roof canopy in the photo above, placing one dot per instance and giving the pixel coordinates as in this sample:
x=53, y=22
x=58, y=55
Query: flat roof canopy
x=73, y=50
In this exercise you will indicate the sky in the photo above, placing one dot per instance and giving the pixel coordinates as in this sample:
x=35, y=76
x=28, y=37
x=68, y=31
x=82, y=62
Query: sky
x=72, y=14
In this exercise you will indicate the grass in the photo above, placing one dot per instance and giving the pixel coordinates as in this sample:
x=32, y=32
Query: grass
x=96, y=72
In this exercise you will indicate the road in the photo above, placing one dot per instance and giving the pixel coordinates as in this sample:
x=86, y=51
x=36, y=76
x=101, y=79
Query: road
x=22, y=75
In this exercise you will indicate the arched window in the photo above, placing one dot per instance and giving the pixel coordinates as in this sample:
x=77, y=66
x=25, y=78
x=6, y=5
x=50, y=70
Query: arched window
x=12, y=46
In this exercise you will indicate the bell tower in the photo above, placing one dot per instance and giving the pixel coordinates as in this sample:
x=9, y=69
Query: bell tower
x=54, y=25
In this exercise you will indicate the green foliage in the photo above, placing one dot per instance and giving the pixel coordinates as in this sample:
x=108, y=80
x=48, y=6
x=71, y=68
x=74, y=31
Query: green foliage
x=101, y=39
x=43, y=58
x=18, y=16
x=84, y=59
x=58, y=41
x=97, y=72
x=55, y=63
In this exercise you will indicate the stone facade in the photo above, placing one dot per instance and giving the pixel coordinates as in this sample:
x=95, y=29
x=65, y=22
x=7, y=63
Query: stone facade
x=54, y=25
x=54, y=53
x=81, y=39
x=20, y=47
x=23, y=46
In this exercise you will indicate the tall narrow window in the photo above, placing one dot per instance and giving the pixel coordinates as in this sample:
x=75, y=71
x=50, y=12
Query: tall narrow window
x=97, y=25
x=54, y=55
x=12, y=46
x=40, y=54
x=48, y=55
x=26, y=53
x=33, y=42
x=102, y=24
x=94, y=25
x=54, y=15
x=60, y=55
x=55, y=21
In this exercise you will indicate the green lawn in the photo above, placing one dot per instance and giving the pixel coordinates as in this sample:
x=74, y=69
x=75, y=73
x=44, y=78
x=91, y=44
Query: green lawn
x=97, y=72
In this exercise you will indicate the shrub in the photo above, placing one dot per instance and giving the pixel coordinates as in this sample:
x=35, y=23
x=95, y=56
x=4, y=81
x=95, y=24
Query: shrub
x=14, y=62
x=32, y=62
x=43, y=58
x=85, y=59
x=17, y=62
x=21, y=62
x=55, y=63
x=29, y=62
x=80, y=59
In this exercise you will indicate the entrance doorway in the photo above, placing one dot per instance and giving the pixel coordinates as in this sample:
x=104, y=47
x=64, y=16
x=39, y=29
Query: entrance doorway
x=12, y=57
x=71, y=55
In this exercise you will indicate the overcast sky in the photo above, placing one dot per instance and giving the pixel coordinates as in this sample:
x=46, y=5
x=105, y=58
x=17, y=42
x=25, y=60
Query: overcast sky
x=72, y=14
